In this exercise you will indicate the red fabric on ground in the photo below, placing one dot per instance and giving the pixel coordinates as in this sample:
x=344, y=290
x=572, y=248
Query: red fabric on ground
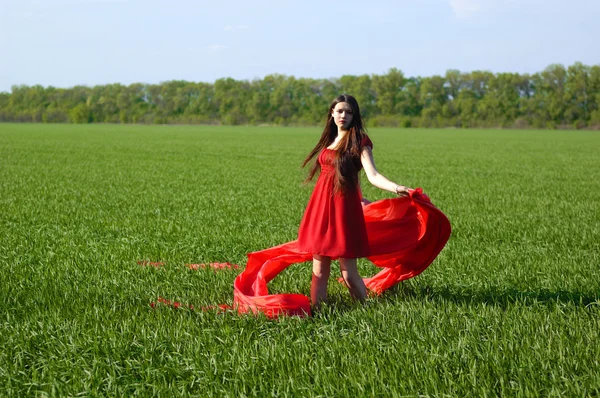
x=405, y=235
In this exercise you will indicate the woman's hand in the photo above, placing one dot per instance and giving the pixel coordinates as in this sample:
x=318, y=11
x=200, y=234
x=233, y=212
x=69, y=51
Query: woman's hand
x=365, y=201
x=402, y=191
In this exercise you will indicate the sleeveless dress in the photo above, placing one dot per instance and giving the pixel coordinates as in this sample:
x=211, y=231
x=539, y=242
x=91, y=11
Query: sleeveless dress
x=333, y=225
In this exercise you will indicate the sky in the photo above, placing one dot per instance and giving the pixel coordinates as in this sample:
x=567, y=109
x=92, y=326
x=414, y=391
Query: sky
x=63, y=43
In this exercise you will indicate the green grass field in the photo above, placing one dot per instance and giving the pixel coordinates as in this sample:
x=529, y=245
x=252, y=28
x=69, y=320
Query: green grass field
x=511, y=307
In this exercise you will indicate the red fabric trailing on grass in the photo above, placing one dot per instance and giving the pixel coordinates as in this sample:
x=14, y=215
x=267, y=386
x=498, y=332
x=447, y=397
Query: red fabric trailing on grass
x=215, y=266
x=405, y=236
x=194, y=267
x=177, y=305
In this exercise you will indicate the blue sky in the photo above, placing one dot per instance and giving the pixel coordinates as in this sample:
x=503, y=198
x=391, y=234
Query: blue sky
x=67, y=42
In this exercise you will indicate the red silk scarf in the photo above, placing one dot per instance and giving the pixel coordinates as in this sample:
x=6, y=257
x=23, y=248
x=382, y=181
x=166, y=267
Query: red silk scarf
x=405, y=236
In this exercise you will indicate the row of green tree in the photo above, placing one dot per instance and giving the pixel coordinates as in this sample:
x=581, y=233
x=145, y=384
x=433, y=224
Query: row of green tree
x=556, y=97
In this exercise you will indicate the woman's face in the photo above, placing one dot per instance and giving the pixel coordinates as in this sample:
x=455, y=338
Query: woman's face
x=342, y=115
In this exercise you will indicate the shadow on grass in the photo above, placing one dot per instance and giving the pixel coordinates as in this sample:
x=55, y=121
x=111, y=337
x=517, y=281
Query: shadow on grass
x=498, y=296
x=338, y=303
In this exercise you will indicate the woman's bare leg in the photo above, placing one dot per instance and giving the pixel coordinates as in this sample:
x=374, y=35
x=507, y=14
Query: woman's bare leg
x=320, y=276
x=353, y=280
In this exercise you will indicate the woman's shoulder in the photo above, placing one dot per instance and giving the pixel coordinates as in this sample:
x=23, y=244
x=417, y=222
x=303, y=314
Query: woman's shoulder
x=366, y=141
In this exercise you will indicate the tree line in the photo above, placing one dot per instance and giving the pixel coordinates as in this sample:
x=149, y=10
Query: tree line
x=557, y=97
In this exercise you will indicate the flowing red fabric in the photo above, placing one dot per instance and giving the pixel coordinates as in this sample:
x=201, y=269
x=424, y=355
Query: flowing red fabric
x=405, y=236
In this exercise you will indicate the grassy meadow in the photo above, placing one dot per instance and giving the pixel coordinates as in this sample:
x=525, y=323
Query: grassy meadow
x=511, y=307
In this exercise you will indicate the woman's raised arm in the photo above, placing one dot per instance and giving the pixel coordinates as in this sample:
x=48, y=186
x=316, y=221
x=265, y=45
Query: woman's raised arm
x=376, y=178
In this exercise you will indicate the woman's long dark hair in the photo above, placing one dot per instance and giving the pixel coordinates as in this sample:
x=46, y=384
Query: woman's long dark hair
x=347, y=155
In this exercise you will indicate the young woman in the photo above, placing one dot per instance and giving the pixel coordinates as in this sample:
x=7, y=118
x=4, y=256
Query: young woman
x=333, y=225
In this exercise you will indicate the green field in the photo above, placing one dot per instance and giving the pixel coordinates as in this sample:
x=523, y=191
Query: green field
x=511, y=307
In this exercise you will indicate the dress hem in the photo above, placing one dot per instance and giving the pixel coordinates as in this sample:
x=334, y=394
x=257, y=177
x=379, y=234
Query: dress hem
x=334, y=256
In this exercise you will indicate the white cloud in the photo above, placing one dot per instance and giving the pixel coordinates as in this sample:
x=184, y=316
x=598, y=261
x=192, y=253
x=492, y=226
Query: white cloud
x=465, y=8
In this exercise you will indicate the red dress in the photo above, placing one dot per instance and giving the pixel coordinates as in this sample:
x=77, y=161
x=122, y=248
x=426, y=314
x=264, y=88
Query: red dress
x=333, y=225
